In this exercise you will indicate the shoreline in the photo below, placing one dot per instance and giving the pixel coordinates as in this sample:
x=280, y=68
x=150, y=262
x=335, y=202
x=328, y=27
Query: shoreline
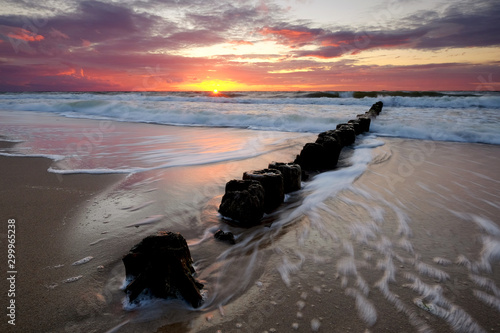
x=323, y=290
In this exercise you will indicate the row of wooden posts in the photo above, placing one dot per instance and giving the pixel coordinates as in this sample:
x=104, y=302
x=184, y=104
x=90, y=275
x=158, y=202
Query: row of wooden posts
x=162, y=263
x=262, y=191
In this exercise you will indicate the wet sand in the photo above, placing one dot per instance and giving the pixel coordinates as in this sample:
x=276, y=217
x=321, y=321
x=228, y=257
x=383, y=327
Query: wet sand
x=419, y=227
x=43, y=206
x=421, y=223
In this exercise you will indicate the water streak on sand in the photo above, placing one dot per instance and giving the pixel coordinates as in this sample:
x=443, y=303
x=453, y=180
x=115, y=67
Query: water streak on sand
x=82, y=261
x=147, y=220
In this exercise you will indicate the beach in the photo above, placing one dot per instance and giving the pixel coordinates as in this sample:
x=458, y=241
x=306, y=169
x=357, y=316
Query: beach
x=43, y=206
x=402, y=237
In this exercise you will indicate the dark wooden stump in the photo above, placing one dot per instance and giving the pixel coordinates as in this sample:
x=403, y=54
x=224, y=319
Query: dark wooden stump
x=272, y=181
x=292, y=175
x=377, y=107
x=243, y=202
x=162, y=263
x=355, y=123
x=225, y=236
x=346, y=134
x=311, y=157
x=332, y=150
x=365, y=122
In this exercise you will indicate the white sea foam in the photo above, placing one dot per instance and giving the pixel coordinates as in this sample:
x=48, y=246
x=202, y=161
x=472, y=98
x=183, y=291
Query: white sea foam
x=485, y=283
x=461, y=322
x=91, y=171
x=362, y=285
x=49, y=156
x=463, y=261
x=363, y=232
x=431, y=293
x=288, y=267
x=387, y=265
x=82, y=261
x=432, y=272
x=72, y=279
x=405, y=244
x=414, y=320
x=490, y=252
x=366, y=309
x=348, y=248
x=442, y=261
x=315, y=324
x=486, y=225
x=384, y=246
x=488, y=299
x=346, y=266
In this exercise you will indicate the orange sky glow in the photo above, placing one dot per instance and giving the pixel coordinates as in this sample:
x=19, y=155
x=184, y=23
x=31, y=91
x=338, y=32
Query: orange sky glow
x=273, y=45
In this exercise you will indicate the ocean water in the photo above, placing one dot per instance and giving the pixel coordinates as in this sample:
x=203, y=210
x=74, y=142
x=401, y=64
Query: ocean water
x=179, y=149
x=445, y=116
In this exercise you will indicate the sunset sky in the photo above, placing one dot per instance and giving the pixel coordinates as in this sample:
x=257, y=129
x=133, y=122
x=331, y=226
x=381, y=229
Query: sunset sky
x=56, y=45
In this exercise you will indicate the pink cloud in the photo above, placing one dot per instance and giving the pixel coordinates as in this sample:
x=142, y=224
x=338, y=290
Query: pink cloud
x=20, y=34
x=290, y=37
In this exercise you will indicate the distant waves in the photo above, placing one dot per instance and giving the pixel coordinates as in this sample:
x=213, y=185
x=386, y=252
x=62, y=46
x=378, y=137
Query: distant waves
x=443, y=116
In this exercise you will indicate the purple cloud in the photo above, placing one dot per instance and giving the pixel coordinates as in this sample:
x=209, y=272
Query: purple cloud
x=457, y=27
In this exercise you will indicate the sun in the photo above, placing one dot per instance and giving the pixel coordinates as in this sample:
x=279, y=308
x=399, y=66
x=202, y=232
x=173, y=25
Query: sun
x=215, y=87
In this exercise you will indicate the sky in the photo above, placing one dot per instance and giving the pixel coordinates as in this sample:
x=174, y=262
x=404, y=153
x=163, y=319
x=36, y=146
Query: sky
x=320, y=45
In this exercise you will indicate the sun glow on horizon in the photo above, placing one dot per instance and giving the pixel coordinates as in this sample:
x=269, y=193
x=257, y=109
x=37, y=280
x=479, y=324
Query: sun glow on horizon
x=215, y=86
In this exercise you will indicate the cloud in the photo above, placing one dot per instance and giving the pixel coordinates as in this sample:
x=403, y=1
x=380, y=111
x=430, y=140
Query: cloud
x=293, y=36
x=133, y=44
x=194, y=38
x=19, y=34
x=57, y=34
x=456, y=27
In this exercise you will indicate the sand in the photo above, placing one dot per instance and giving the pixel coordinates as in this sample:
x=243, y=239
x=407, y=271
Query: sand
x=419, y=226
x=43, y=206
x=430, y=193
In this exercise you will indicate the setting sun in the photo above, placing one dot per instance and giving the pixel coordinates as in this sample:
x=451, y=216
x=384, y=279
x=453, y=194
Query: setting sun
x=215, y=91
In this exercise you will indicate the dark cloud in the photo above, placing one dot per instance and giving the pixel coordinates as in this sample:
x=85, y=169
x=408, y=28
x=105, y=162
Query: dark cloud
x=458, y=26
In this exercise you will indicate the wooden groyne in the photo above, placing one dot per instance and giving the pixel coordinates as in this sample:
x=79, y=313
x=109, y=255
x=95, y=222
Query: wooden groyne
x=162, y=263
x=262, y=191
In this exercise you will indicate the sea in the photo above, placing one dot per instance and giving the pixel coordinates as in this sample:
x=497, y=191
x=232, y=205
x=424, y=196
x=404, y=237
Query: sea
x=442, y=116
x=177, y=150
